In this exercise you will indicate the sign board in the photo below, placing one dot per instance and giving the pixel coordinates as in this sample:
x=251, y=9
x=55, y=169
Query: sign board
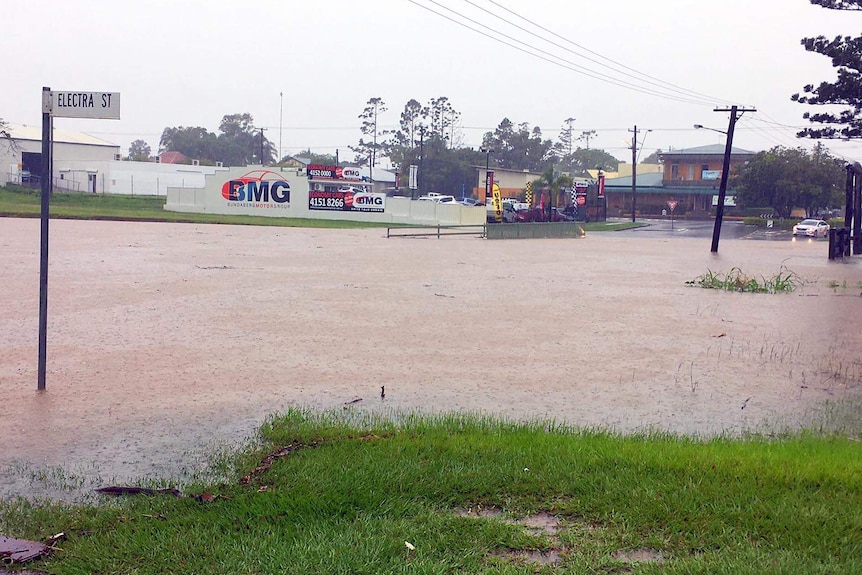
x=100, y=105
x=414, y=170
x=321, y=172
x=672, y=204
x=710, y=174
x=729, y=201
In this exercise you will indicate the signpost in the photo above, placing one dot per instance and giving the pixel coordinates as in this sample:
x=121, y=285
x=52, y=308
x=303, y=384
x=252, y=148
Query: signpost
x=104, y=105
x=672, y=204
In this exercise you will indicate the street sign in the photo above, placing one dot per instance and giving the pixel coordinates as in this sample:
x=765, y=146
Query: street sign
x=100, y=105
x=672, y=204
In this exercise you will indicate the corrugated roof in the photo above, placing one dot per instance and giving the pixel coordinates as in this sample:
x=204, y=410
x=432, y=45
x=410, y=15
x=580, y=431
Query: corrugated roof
x=649, y=179
x=710, y=150
x=34, y=133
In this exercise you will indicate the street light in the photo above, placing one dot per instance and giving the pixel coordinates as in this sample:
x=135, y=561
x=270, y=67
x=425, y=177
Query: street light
x=702, y=127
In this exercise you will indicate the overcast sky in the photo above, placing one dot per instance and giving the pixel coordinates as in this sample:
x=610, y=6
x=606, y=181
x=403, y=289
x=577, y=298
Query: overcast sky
x=190, y=62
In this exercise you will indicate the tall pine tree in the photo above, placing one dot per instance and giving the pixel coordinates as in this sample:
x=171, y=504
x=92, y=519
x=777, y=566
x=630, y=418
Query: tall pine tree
x=846, y=55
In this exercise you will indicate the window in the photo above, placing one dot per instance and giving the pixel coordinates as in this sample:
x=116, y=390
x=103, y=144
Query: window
x=674, y=171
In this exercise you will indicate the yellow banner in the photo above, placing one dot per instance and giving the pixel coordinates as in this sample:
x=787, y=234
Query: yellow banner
x=498, y=201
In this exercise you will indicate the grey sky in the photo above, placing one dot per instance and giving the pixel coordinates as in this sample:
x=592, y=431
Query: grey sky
x=188, y=63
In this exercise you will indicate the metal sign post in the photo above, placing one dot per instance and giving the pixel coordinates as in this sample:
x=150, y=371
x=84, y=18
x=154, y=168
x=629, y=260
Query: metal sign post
x=672, y=205
x=105, y=105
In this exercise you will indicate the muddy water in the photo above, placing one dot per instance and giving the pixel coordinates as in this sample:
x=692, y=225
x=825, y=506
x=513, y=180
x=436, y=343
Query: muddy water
x=167, y=341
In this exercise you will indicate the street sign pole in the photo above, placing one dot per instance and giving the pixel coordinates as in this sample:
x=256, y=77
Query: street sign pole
x=105, y=105
x=46, y=181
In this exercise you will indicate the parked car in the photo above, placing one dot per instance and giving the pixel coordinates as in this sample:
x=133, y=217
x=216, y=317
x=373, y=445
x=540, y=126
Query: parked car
x=438, y=198
x=470, y=202
x=508, y=212
x=562, y=216
x=811, y=228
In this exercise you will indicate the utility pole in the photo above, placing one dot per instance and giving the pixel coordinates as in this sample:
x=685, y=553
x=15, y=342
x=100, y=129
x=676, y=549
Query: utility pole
x=722, y=189
x=261, y=145
x=280, y=120
x=634, y=171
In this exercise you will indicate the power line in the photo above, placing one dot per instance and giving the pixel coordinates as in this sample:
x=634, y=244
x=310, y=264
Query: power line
x=553, y=59
x=650, y=79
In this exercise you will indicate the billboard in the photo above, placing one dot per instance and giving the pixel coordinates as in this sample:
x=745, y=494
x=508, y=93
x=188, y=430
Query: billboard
x=322, y=172
x=346, y=199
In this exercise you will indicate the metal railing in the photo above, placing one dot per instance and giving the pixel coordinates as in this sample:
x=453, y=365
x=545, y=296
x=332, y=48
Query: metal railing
x=440, y=231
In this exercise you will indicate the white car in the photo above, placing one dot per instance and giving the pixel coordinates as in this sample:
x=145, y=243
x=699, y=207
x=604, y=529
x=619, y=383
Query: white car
x=811, y=228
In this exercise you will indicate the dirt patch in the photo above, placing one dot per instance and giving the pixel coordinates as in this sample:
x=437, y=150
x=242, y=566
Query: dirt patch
x=168, y=341
x=541, y=558
x=639, y=556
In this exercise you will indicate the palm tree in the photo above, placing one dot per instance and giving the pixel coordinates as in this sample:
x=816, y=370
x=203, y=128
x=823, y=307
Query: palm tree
x=554, y=184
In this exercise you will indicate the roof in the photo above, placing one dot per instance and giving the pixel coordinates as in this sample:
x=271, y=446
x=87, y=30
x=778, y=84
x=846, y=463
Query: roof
x=34, y=133
x=650, y=179
x=710, y=150
x=652, y=183
x=171, y=157
x=499, y=169
x=380, y=175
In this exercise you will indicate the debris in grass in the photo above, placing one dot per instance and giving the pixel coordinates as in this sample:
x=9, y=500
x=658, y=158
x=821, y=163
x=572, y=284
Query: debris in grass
x=270, y=459
x=354, y=400
x=117, y=490
x=21, y=550
x=409, y=546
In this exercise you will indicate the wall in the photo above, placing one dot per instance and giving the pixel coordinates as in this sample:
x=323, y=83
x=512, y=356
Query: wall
x=396, y=210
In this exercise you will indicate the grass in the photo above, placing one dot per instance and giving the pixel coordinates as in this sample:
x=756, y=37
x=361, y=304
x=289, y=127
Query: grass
x=355, y=489
x=23, y=202
x=785, y=281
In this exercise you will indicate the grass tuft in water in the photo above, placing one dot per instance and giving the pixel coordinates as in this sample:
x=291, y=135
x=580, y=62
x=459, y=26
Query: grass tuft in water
x=785, y=281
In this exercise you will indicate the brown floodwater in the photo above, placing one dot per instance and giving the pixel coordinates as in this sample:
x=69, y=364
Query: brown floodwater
x=167, y=342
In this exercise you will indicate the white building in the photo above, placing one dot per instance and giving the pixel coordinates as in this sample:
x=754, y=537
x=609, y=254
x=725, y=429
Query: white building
x=84, y=163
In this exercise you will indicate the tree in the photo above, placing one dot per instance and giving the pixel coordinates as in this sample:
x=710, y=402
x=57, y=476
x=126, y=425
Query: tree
x=785, y=178
x=139, y=151
x=520, y=148
x=442, y=118
x=241, y=143
x=368, y=151
x=316, y=158
x=554, y=183
x=192, y=142
x=584, y=159
x=846, y=55
x=238, y=144
x=654, y=158
x=563, y=148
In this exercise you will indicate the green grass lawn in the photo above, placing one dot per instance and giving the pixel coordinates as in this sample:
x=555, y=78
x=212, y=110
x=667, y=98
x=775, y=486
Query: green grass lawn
x=475, y=495
x=18, y=201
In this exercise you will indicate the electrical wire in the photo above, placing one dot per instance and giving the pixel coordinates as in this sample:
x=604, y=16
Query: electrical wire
x=550, y=58
x=639, y=77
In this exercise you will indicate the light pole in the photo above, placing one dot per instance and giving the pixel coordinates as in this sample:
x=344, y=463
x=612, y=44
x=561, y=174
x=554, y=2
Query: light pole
x=487, y=152
x=280, y=119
